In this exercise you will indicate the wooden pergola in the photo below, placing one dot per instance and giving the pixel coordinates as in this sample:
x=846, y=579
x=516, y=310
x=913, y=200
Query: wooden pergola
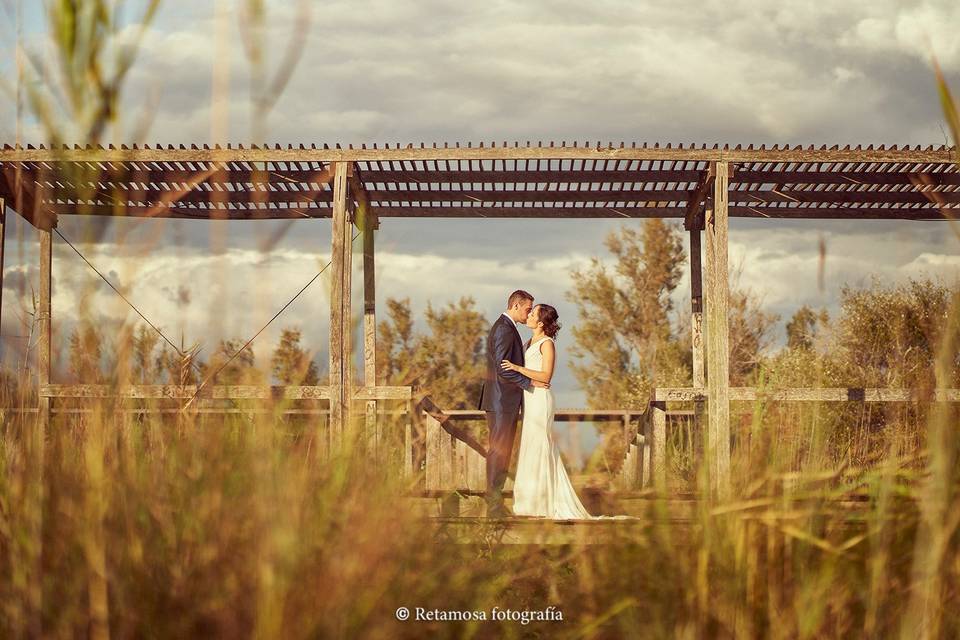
x=359, y=187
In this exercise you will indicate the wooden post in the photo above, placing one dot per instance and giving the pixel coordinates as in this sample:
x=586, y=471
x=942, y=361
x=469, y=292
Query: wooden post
x=3, y=237
x=370, y=330
x=696, y=308
x=43, y=321
x=339, y=300
x=658, y=421
x=696, y=322
x=717, y=339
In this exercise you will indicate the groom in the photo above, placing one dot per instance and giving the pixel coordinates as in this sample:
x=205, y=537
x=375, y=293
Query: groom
x=502, y=394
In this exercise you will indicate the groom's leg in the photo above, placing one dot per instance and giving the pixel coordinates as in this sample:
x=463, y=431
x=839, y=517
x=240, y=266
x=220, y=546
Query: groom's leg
x=502, y=431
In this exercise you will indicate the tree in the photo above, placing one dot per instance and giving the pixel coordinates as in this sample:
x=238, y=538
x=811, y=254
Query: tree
x=240, y=370
x=625, y=342
x=291, y=364
x=395, y=346
x=750, y=332
x=888, y=335
x=804, y=326
x=449, y=360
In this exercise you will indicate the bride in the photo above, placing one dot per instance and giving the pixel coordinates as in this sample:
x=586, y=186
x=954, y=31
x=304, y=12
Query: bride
x=541, y=487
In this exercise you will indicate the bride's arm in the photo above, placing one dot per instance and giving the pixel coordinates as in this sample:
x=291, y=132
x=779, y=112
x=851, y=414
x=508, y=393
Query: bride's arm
x=549, y=352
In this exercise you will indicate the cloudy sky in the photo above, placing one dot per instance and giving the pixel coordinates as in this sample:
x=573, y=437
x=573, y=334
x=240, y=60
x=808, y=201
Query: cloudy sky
x=852, y=72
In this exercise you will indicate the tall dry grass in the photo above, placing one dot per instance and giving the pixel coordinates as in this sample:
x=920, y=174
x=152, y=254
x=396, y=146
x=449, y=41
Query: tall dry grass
x=246, y=526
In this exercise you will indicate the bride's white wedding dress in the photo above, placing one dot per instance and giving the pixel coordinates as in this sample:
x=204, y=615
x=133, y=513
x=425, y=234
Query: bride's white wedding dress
x=541, y=486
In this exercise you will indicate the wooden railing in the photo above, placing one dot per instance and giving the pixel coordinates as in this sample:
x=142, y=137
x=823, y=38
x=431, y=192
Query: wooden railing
x=454, y=461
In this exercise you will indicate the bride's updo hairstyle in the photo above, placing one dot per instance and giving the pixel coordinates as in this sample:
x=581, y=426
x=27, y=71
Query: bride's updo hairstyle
x=548, y=316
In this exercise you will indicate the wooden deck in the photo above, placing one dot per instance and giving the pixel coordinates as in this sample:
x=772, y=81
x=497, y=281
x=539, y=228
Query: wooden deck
x=459, y=519
x=533, y=531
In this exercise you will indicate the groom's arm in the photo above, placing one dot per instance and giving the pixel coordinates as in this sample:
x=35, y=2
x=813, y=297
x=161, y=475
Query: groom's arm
x=501, y=346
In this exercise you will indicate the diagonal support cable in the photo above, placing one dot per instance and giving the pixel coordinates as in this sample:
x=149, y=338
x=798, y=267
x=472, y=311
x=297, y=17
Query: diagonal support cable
x=254, y=337
x=123, y=297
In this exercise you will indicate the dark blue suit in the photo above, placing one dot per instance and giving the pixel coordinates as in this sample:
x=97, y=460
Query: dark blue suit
x=501, y=397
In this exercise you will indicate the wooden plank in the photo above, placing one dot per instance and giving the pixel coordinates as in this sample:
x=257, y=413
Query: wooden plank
x=407, y=458
x=560, y=415
x=644, y=459
x=433, y=453
x=339, y=405
x=478, y=471
x=717, y=336
x=383, y=393
x=658, y=436
x=446, y=460
x=237, y=392
x=941, y=154
x=828, y=394
x=461, y=468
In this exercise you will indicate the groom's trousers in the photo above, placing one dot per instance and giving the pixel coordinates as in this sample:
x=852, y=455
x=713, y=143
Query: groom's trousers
x=503, y=429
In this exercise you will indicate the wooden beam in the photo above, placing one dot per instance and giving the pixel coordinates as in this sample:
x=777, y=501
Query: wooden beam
x=24, y=199
x=717, y=336
x=826, y=394
x=164, y=198
x=693, y=218
x=538, y=212
x=426, y=177
x=194, y=213
x=216, y=392
x=636, y=212
x=563, y=415
x=639, y=176
x=277, y=179
x=689, y=200
x=941, y=154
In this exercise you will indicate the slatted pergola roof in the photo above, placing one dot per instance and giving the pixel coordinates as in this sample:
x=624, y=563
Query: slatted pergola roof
x=515, y=180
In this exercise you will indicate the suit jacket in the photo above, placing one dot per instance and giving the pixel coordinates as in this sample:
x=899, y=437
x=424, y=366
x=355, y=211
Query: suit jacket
x=502, y=390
